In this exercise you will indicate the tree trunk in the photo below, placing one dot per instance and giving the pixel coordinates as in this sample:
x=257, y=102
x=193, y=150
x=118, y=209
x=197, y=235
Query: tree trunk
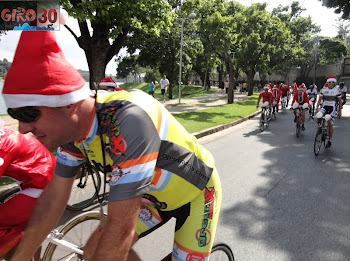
x=220, y=72
x=171, y=78
x=98, y=50
x=232, y=82
x=250, y=81
x=207, y=86
x=97, y=67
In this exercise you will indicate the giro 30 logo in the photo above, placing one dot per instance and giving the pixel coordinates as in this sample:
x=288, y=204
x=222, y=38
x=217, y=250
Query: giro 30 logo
x=29, y=15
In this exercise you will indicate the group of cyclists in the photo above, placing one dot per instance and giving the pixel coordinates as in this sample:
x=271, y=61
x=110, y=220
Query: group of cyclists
x=329, y=100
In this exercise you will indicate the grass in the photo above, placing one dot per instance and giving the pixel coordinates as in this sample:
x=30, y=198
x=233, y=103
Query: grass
x=5, y=181
x=187, y=91
x=200, y=120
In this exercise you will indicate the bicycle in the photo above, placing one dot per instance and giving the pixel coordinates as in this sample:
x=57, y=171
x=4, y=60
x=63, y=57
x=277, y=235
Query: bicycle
x=322, y=133
x=312, y=109
x=284, y=104
x=265, y=116
x=298, y=123
x=84, y=191
x=67, y=242
x=273, y=111
x=85, y=188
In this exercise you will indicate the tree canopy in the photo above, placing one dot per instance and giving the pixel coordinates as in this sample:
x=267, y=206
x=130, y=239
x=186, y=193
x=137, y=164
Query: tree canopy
x=341, y=7
x=106, y=26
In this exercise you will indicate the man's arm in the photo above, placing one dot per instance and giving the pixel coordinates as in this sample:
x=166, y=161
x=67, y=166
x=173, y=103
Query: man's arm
x=340, y=101
x=116, y=238
x=318, y=102
x=46, y=214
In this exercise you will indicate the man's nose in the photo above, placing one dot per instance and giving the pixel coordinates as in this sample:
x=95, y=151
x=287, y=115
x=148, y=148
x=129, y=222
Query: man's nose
x=25, y=127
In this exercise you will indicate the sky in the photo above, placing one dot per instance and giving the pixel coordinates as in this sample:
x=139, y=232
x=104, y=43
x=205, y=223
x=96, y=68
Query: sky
x=320, y=15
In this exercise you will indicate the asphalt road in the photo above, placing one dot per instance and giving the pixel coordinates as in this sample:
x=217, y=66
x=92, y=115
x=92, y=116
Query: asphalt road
x=280, y=202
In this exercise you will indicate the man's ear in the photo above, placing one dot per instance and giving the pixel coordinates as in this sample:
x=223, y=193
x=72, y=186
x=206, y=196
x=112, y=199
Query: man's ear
x=72, y=108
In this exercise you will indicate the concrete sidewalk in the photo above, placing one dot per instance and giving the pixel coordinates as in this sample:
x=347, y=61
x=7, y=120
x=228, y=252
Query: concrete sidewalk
x=203, y=102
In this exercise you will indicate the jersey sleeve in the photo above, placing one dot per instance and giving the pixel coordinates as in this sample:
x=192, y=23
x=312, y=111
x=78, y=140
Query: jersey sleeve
x=68, y=158
x=134, y=152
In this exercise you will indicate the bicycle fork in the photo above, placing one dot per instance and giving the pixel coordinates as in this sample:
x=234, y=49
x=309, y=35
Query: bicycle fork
x=54, y=238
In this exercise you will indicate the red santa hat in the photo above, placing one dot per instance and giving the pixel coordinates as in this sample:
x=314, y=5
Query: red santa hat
x=267, y=86
x=301, y=87
x=40, y=74
x=108, y=81
x=331, y=79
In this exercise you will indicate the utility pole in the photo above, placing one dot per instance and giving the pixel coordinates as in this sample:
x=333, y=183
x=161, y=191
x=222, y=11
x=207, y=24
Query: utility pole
x=315, y=61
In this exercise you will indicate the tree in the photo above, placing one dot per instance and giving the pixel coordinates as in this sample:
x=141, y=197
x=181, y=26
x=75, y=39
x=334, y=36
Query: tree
x=162, y=52
x=331, y=50
x=106, y=26
x=341, y=6
x=218, y=30
x=300, y=46
x=343, y=33
x=263, y=44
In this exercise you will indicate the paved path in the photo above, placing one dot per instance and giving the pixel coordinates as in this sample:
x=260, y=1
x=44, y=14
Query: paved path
x=202, y=102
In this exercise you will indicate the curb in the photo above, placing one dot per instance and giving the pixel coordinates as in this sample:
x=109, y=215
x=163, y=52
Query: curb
x=212, y=130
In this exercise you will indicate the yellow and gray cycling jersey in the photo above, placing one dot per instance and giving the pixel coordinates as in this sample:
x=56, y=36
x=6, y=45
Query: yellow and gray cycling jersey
x=146, y=150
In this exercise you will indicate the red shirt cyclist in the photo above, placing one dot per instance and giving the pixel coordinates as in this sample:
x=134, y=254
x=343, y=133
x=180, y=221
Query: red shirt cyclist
x=300, y=101
x=266, y=97
x=26, y=161
x=276, y=95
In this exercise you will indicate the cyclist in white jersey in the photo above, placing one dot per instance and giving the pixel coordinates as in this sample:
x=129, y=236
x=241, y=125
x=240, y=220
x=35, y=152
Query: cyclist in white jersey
x=329, y=96
x=312, y=95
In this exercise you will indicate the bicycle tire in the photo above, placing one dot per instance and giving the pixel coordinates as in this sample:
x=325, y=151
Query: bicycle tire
x=221, y=252
x=317, y=143
x=83, y=195
x=261, y=122
x=88, y=222
x=8, y=194
x=297, y=130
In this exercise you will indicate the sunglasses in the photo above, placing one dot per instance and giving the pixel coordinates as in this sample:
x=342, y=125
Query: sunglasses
x=24, y=114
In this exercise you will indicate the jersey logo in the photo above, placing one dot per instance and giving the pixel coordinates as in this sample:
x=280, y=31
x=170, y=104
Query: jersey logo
x=118, y=144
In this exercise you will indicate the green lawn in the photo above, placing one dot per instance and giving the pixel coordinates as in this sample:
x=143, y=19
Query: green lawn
x=5, y=181
x=187, y=91
x=200, y=120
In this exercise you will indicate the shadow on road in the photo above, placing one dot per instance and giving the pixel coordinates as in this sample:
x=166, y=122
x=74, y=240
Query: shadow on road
x=301, y=210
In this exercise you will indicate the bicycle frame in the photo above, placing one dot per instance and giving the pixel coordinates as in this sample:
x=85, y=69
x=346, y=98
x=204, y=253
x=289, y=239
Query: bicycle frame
x=53, y=238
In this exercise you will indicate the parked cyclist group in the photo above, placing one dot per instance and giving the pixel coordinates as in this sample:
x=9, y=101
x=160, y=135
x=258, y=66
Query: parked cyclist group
x=329, y=101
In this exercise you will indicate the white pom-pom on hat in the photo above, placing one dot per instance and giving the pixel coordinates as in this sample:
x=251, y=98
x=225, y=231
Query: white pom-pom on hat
x=63, y=16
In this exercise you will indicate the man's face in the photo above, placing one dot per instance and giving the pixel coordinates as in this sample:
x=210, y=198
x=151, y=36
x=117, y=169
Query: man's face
x=331, y=85
x=52, y=127
x=107, y=88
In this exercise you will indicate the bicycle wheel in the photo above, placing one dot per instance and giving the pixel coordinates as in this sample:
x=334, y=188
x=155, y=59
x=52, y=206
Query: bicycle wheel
x=76, y=231
x=297, y=129
x=221, y=252
x=261, y=122
x=318, y=143
x=83, y=191
x=8, y=194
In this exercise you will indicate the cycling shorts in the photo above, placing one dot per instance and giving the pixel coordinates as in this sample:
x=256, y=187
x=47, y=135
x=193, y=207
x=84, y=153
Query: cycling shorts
x=328, y=110
x=14, y=216
x=195, y=226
